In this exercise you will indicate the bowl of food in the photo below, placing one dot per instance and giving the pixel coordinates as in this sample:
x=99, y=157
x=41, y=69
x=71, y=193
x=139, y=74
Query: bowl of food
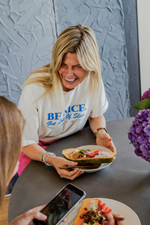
x=89, y=157
x=92, y=211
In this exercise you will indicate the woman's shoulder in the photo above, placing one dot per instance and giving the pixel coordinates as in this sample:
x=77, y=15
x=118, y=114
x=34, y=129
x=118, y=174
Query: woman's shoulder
x=35, y=86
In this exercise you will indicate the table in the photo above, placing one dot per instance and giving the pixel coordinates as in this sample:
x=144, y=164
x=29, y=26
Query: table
x=126, y=180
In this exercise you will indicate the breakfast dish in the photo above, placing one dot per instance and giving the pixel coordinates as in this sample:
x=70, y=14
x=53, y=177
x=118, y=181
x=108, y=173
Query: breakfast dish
x=86, y=156
x=92, y=211
x=103, y=157
x=116, y=207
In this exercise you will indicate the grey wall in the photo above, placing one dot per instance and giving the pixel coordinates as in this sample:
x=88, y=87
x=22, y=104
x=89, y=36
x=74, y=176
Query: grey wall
x=27, y=34
x=28, y=30
x=132, y=45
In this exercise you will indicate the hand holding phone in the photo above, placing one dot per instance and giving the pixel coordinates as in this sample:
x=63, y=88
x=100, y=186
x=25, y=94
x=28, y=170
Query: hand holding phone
x=60, y=206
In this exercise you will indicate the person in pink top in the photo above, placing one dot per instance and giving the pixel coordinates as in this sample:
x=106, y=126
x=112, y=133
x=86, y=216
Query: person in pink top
x=59, y=98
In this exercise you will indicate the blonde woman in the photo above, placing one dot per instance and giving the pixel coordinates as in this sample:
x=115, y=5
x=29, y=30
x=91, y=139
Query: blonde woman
x=60, y=97
x=11, y=126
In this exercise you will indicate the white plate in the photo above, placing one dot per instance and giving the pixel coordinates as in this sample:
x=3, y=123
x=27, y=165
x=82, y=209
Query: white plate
x=95, y=147
x=117, y=208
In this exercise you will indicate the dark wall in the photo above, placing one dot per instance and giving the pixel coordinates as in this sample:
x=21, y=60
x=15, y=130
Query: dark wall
x=132, y=45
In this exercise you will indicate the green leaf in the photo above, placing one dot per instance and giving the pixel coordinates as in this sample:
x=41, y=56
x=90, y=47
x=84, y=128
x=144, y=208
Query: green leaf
x=80, y=150
x=144, y=104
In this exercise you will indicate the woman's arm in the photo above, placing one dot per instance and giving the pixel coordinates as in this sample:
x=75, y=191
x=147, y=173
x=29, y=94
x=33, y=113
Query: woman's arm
x=97, y=122
x=35, y=152
x=102, y=137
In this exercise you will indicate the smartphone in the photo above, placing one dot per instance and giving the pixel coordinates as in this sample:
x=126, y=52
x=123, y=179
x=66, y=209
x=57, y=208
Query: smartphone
x=61, y=205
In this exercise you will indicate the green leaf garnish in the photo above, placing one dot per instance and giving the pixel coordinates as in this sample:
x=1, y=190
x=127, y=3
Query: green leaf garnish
x=80, y=150
x=144, y=104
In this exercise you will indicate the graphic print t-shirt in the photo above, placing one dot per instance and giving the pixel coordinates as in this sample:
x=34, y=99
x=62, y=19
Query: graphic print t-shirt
x=45, y=119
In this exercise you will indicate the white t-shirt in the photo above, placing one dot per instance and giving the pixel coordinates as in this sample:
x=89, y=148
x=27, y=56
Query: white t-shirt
x=45, y=120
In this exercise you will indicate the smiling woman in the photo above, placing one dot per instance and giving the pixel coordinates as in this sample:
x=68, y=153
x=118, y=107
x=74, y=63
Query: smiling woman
x=60, y=97
x=70, y=71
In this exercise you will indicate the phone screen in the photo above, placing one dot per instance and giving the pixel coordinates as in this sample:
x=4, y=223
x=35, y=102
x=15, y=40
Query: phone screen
x=61, y=204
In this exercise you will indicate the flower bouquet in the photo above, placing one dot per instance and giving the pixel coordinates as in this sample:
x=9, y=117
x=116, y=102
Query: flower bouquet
x=139, y=133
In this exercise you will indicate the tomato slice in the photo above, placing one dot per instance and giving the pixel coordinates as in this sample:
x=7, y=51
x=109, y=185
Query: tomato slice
x=103, y=208
x=97, y=151
x=107, y=211
x=91, y=155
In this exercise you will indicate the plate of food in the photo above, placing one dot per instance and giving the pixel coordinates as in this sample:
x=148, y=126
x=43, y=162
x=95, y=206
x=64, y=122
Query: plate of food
x=90, y=158
x=96, y=209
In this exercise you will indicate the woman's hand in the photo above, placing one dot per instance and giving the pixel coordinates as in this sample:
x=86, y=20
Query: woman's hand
x=64, y=173
x=113, y=219
x=26, y=218
x=103, y=139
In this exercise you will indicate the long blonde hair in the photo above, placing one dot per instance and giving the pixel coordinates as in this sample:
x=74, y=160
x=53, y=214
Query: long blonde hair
x=11, y=127
x=75, y=39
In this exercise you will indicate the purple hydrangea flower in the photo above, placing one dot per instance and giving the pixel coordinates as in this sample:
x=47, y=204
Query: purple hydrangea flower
x=139, y=134
x=146, y=94
x=132, y=129
x=139, y=129
x=142, y=139
x=147, y=130
x=148, y=115
x=144, y=123
x=138, y=152
x=144, y=149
